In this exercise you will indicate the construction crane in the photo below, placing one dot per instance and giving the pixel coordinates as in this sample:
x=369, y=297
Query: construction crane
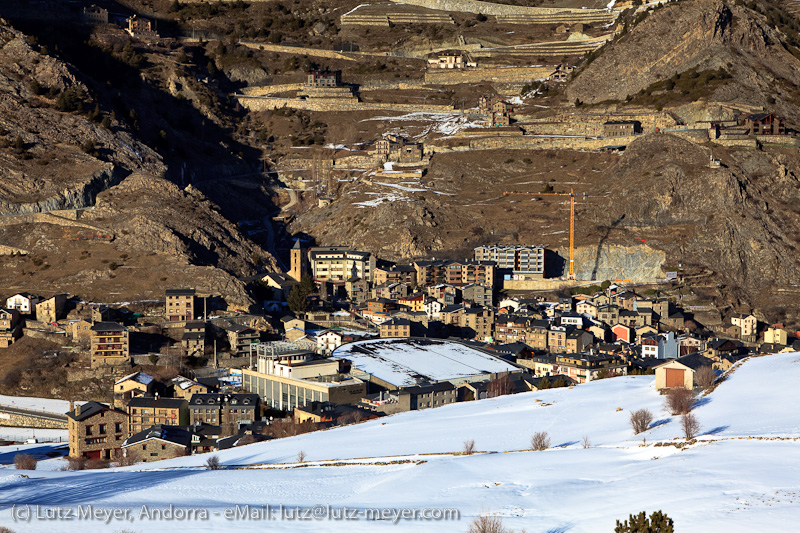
x=571, y=195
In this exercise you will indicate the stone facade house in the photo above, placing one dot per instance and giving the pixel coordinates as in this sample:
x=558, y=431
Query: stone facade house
x=9, y=327
x=52, y=309
x=158, y=442
x=229, y=411
x=144, y=411
x=96, y=431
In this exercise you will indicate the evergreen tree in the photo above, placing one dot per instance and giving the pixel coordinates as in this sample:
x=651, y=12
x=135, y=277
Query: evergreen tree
x=657, y=522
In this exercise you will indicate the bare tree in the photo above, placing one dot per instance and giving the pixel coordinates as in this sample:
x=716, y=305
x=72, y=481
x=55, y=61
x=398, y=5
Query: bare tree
x=679, y=401
x=301, y=456
x=487, y=524
x=704, y=377
x=540, y=441
x=213, y=463
x=690, y=426
x=641, y=420
x=24, y=461
x=586, y=442
x=469, y=447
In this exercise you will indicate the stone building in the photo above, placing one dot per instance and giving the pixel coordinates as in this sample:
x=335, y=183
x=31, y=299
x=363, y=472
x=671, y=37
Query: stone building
x=96, y=430
x=621, y=128
x=109, y=344
x=229, y=411
x=180, y=305
x=319, y=79
x=52, y=309
x=158, y=442
x=9, y=327
x=145, y=411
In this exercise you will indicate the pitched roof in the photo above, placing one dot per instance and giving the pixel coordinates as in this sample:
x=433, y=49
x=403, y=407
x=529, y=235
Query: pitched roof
x=139, y=377
x=158, y=401
x=90, y=409
x=173, y=434
x=108, y=326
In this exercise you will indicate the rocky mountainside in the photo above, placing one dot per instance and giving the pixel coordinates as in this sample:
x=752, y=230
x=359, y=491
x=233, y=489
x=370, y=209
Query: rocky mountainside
x=701, y=34
x=60, y=149
x=740, y=220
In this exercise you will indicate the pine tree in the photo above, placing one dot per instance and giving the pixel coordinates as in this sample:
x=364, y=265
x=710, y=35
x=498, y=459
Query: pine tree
x=657, y=522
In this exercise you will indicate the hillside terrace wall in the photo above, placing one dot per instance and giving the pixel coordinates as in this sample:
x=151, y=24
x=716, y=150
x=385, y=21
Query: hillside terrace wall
x=649, y=121
x=314, y=52
x=331, y=104
x=559, y=18
x=514, y=74
x=489, y=8
x=529, y=142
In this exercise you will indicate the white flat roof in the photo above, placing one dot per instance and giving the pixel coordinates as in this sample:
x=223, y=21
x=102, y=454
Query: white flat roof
x=406, y=362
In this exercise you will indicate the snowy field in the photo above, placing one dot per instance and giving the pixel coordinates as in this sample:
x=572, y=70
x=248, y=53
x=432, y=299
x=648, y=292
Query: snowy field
x=47, y=405
x=743, y=473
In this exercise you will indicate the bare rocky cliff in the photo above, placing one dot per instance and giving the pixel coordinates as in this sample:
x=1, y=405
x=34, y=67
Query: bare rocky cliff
x=702, y=34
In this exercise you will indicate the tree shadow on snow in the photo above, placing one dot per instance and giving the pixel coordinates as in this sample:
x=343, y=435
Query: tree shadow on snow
x=659, y=423
x=82, y=487
x=700, y=402
x=566, y=444
x=718, y=429
x=560, y=529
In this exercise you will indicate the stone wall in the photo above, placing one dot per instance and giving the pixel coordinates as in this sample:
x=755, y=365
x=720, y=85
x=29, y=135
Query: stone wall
x=12, y=419
x=477, y=75
x=314, y=52
x=488, y=8
x=563, y=17
x=330, y=104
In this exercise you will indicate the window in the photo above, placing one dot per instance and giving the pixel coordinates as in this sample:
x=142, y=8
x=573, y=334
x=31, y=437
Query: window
x=102, y=429
x=88, y=430
x=144, y=446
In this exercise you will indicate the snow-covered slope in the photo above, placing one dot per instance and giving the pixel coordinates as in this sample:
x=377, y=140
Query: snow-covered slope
x=742, y=475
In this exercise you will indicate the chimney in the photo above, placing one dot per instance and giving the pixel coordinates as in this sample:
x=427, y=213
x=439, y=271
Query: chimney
x=78, y=410
x=71, y=405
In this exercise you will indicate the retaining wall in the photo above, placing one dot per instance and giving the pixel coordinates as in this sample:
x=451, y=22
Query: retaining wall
x=489, y=8
x=477, y=75
x=330, y=105
x=13, y=419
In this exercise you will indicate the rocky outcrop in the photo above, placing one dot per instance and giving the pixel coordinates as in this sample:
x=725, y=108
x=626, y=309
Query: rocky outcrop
x=706, y=34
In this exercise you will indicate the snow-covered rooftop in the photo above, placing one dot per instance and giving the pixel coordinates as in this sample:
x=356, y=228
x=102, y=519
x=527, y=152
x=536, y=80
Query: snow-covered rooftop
x=139, y=377
x=407, y=362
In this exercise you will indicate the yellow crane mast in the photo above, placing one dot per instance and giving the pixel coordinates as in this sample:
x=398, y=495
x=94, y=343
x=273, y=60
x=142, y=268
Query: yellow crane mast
x=571, y=195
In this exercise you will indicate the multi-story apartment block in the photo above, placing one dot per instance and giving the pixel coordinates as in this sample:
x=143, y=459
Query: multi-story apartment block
x=519, y=259
x=396, y=274
x=109, y=344
x=180, y=305
x=145, y=411
x=455, y=272
x=340, y=264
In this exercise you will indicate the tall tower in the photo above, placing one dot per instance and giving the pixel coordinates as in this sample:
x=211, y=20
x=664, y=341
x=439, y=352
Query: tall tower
x=299, y=261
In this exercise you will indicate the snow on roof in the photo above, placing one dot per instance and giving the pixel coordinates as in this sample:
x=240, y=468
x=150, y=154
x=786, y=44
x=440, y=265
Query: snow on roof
x=140, y=377
x=407, y=362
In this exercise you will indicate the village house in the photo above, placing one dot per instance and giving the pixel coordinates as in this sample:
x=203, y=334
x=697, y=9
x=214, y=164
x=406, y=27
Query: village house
x=141, y=27
x=586, y=308
x=96, y=430
x=10, y=327
x=240, y=337
x=396, y=327
x=281, y=285
x=621, y=128
x=432, y=308
x=357, y=289
x=415, y=302
x=391, y=291
x=680, y=372
x=229, y=411
x=477, y=294
x=23, y=302
x=764, y=124
x=537, y=335
x=94, y=15
x=180, y=305
x=608, y=314
x=51, y=309
x=578, y=340
x=748, y=325
x=131, y=386
x=193, y=339
x=328, y=413
x=449, y=60
x=183, y=387
x=144, y=411
x=621, y=332
x=776, y=335
x=396, y=274
x=158, y=442
x=109, y=344
x=557, y=339
x=320, y=79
